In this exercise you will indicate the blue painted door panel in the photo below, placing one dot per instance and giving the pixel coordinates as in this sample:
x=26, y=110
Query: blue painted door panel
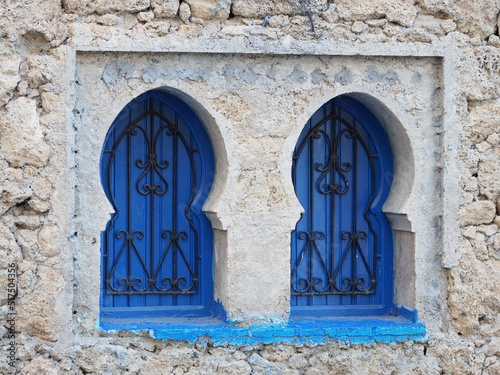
x=342, y=249
x=157, y=169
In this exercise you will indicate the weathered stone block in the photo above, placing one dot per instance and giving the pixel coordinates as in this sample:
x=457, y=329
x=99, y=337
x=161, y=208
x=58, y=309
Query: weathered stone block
x=145, y=16
x=50, y=101
x=493, y=139
x=209, y=9
x=494, y=40
x=7, y=240
x=18, y=19
x=483, y=146
x=108, y=20
x=481, y=212
x=330, y=15
x=39, y=205
x=42, y=365
x=448, y=26
x=474, y=312
x=165, y=8
x=429, y=23
x=37, y=309
x=14, y=188
x=298, y=361
x=184, y=12
x=10, y=252
x=48, y=240
x=446, y=7
x=27, y=239
x=359, y=27
x=494, y=346
x=488, y=230
x=85, y=7
x=9, y=76
x=488, y=176
x=453, y=359
x=483, y=120
x=260, y=9
x=478, y=18
x=492, y=368
x=481, y=78
x=42, y=188
x=381, y=22
x=402, y=12
x=234, y=367
x=21, y=139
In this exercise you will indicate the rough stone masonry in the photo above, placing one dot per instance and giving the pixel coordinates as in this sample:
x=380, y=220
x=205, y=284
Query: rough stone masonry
x=255, y=71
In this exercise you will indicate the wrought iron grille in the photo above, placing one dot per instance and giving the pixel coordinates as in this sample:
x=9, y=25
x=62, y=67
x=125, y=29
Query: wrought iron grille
x=153, y=176
x=336, y=247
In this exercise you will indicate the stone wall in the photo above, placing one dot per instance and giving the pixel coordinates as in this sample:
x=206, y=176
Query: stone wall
x=57, y=57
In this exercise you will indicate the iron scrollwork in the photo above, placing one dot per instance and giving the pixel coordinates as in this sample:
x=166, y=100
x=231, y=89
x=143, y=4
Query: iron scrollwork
x=341, y=259
x=153, y=268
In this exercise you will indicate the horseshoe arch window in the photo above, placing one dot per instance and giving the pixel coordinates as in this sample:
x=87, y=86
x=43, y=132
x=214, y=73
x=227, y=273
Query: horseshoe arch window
x=342, y=248
x=157, y=168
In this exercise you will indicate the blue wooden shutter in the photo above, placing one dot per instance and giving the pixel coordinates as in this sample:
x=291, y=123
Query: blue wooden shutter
x=157, y=168
x=342, y=248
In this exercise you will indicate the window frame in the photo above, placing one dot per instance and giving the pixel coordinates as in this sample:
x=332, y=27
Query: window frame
x=384, y=170
x=205, y=305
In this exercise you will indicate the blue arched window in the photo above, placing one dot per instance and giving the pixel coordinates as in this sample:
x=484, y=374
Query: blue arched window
x=157, y=168
x=342, y=248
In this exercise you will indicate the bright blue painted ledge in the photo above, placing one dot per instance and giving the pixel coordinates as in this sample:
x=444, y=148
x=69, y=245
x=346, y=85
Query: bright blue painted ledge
x=296, y=332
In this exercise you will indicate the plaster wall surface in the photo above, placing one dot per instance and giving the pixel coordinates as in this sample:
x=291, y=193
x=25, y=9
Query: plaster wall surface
x=254, y=73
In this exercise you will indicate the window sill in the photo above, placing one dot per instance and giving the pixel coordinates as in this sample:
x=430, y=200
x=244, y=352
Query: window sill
x=357, y=330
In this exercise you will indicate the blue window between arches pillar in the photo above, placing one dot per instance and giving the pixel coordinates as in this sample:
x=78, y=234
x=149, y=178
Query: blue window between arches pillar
x=157, y=168
x=342, y=248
